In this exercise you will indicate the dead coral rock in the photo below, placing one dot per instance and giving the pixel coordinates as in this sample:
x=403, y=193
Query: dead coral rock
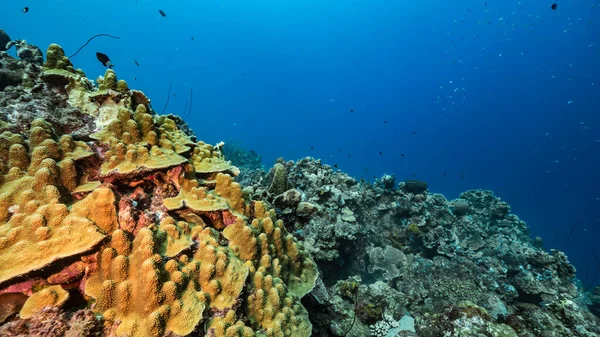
x=26, y=52
x=9, y=77
x=11, y=304
x=11, y=72
x=280, y=183
x=69, y=274
x=306, y=209
x=47, y=104
x=414, y=186
x=289, y=198
x=50, y=322
x=4, y=40
x=389, y=260
x=85, y=324
x=595, y=301
x=461, y=207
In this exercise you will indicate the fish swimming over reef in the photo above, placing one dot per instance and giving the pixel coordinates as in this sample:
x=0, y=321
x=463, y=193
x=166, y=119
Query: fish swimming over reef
x=104, y=59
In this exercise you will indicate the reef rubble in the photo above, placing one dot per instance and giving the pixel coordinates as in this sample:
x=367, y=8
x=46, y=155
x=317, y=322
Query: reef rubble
x=116, y=221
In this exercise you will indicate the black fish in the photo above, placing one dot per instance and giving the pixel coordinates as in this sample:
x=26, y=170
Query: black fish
x=136, y=63
x=103, y=58
x=554, y=6
x=26, y=9
x=163, y=14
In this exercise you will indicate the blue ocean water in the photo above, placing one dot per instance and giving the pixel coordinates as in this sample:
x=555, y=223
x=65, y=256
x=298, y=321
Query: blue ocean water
x=500, y=95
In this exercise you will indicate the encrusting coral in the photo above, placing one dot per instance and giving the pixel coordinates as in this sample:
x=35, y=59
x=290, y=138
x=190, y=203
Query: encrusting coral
x=53, y=296
x=144, y=223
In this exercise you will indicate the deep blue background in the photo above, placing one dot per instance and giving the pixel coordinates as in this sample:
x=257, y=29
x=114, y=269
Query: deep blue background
x=458, y=87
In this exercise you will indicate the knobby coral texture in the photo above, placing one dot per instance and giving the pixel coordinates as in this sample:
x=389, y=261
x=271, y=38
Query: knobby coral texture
x=107, y=206
x=116, y=221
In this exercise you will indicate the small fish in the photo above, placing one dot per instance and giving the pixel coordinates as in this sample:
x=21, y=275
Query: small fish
x=554, y=6
x=26, y=9
x=136, y=63
x=163, y=14
x=193, y=37
x=104, y=59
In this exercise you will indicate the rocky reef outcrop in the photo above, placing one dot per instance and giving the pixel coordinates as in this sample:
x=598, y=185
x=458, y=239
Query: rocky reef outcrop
x=398, y=260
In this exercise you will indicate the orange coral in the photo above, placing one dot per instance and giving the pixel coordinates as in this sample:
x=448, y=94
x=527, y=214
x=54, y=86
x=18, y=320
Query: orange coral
x=149, y=296
x=197, y=247
x=53, y=296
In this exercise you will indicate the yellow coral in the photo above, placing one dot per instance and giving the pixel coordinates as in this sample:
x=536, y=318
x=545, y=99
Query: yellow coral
x=195, y=197
x=41, y=230
x=149, y=296
x=207, y=159
x=171, y=136
x=129, y=136
x=266, y=244
x=196, y=248
x=228, y=326
x=275, y=259
x=179, y=235
x=53, y=296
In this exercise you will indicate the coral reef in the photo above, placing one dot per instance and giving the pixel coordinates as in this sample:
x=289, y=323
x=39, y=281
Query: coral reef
x=115, y=221
x=466, y=267
x=122, y=212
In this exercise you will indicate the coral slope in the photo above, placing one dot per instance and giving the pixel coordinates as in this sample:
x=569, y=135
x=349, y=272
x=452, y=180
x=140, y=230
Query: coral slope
x=396, y=259
x=120, y=211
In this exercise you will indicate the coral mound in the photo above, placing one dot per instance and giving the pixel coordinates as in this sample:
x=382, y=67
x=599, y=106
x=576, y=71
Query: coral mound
x=128, y=216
